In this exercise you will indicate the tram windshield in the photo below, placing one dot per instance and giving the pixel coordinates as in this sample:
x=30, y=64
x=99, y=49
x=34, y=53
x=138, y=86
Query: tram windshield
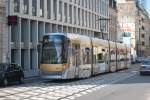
x=54, y=49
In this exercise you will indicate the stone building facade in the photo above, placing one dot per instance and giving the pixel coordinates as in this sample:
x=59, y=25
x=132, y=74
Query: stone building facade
x=132, y=18
x=143, y=30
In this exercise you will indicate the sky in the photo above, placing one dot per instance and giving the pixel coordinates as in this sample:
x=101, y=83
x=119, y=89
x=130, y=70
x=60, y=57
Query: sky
x=148, y=6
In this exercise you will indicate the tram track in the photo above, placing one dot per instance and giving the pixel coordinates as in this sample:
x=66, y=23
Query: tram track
x=101, y=85
x=79, y=86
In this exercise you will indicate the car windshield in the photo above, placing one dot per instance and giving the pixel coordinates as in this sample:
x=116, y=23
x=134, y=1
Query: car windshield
x=146, y=62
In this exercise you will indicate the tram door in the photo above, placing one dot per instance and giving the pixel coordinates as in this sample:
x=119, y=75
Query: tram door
x=77, y=58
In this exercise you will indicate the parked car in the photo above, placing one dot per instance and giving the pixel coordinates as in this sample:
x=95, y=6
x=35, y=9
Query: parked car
x=11, y=73
x=145, y=67
x=140, y=59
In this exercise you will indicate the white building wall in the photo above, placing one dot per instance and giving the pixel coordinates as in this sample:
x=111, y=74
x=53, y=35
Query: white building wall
x=4, y=53
x=38, y=17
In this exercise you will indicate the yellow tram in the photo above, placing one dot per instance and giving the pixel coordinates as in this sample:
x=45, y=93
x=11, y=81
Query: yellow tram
x=68, y=56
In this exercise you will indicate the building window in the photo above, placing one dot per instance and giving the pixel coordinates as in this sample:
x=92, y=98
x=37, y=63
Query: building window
x=75, y=1
x=143, y=43
x=83, y=3
x=34, y=7
x=82, y=17
x=86, y=20
x=79, y=16
x=65, y=12
x=75, y=10
x=16, y=5
x=25, y=6
x=143, y=36
x=55, y=9
x=78, y=2
x=89, y=4
x=142, y=19
x=41, y=8
x=60, y=11
x=48, y=9
x=86, y=3
x=143, y=28
x=70, y=14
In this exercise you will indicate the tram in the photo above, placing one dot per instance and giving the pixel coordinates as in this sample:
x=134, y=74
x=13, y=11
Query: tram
x=68, y=56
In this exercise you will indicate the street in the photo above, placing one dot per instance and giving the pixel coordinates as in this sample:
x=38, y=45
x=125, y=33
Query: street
x=123, y=85
x=74, y=49
x=134, y=88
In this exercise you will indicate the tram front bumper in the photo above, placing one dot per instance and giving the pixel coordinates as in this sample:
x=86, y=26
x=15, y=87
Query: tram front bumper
x=51, y=77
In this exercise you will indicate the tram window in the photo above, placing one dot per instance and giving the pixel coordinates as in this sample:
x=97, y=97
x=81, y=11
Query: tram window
x=73, y=51
x=122, y=59
x=112, y=52
x=76, y=54
x=100, y=58
x=106, y=57
x=95, y=55
x=94, y=59
x=86, y=56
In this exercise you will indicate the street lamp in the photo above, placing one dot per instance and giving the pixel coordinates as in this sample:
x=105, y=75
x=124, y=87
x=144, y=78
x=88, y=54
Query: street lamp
x=102, y=29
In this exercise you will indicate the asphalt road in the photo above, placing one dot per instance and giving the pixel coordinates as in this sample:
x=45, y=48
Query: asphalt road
x=122, y=85
x=134, y=88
